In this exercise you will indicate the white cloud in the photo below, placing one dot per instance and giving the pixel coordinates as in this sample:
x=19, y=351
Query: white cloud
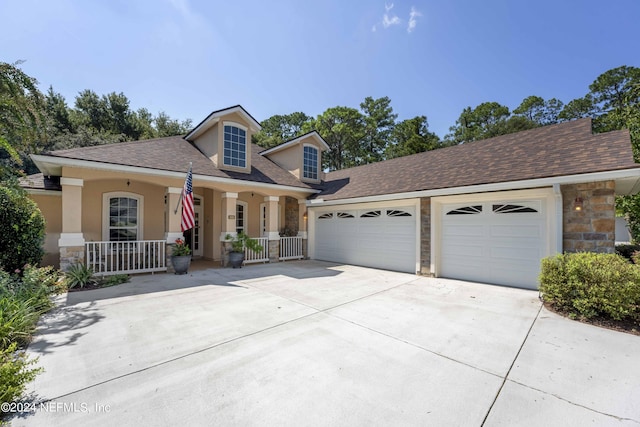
x=388, y=20
x=413, y=15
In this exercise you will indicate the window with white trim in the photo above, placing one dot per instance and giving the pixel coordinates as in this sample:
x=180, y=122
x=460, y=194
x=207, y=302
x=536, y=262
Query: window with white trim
x=241, y=211
x=122, y=217
x=235, y=146
x=310, y=162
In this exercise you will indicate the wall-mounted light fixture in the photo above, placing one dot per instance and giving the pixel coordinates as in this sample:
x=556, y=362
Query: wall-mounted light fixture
x=305, y=215
x=578, y=204
x=128, y=183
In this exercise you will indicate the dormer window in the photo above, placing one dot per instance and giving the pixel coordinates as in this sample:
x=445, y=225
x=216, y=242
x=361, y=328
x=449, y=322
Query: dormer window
x=235, y=145
x=310, y=162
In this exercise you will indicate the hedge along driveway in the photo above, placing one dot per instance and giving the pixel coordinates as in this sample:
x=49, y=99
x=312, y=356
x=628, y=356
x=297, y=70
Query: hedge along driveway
x=315, y=344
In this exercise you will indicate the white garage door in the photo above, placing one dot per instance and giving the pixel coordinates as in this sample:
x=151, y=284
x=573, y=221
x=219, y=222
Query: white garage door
x=373, y=237
x=494, y=242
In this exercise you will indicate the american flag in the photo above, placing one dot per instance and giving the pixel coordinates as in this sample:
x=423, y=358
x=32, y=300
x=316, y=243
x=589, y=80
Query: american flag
x=188, y=219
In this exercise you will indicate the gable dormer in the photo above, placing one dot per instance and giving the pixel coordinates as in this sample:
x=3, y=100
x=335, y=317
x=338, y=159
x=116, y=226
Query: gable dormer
x=225, y=137
x=301, y=156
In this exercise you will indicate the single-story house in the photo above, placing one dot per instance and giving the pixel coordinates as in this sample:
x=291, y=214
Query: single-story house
x=485, y=211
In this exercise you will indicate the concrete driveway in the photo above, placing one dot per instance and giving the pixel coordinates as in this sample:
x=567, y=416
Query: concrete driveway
x=312, y=343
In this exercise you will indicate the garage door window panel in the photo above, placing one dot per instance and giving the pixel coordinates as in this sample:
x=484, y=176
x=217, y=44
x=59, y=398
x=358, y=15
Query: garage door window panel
x=466, y=210
x=507, y=209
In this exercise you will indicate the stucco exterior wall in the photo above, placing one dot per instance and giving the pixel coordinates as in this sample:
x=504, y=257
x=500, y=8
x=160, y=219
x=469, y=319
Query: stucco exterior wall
x=592, y=228
x=51, y=208
x=153, y=223
x=291, y=158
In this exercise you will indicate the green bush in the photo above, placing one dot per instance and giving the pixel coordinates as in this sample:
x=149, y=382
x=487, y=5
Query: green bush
x=15, y=373
x=591, y=285
x=116, y=279
x=79, y=275
x=21, y=229
x=627, y=251
x=22, y=301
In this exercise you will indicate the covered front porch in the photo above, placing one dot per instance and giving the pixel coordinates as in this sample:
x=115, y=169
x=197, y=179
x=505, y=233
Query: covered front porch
x=118, y=224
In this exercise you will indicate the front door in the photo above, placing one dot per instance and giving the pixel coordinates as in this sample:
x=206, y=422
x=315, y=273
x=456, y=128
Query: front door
x=196, y=235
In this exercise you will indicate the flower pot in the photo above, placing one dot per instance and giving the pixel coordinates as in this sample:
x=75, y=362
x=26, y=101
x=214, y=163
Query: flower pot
x=181, y=263
x=236, y=259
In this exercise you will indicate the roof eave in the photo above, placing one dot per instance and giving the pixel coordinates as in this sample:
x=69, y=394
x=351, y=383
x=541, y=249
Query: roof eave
x=215, y=117
x=627, y=182
x=295, y=141
x=52, y=166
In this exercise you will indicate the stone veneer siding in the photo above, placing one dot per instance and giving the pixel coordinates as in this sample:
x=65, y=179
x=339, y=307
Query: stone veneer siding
x=425, y=236
x=291, y=215
x=593, y=228
x=274, y=250
x=70, y=255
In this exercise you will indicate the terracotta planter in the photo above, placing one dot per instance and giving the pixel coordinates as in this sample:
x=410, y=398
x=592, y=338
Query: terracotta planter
x=181, y=263
x=236, y=259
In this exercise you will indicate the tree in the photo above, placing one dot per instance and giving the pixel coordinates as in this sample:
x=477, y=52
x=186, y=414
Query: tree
x=379, y=121
x=21, y=117
x=539, y=111
x=482, y=122
x=578, y=109
x=411, y=136
x=343, y=129
x=21, y=229
x=280, y=128
x=166, y=126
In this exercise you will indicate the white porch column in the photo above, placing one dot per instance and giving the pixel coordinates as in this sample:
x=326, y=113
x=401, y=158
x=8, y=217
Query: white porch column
x=303, y=218
x=272, y=227
x=228, y=209
x=174, y=217
x=71, y=242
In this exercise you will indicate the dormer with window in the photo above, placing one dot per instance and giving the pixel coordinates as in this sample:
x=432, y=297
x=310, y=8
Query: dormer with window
x=225, y=137
x=301, y=156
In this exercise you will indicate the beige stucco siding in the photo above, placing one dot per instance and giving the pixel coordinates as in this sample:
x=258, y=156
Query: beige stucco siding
x=207, y=143
x=93, y=210
x=51, y=208
x=291, y=158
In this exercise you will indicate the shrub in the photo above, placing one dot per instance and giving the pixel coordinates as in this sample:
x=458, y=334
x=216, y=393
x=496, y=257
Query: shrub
x=21, y=229
x=627, y=251
x=592, y=285
x=116, y=279
x=79, y=275
x=15, y=373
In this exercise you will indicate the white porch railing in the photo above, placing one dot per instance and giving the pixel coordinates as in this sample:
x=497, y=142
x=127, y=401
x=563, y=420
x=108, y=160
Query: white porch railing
x=260, y=256
x=291, y=248
x=141, y=256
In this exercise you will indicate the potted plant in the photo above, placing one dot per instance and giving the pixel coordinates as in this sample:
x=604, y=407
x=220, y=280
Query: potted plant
x=238, y=244
x=181, y=257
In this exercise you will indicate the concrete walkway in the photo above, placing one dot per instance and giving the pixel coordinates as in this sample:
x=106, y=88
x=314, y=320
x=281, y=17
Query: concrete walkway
x=312, y=343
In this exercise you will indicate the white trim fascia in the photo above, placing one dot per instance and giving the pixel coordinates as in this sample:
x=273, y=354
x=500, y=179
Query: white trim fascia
x=71, y=239
x=295, y=141
x=75, y=182
x=40, y=192
x=171, y=236
x=272, y=235
x=482, y=188
x=215, y=118
x=87, y=164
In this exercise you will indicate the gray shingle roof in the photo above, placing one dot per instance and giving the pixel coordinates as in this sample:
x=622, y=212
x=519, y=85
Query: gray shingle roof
x=550, y=151
x=174, y=154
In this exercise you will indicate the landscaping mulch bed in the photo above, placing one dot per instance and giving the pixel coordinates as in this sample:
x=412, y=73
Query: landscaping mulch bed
x=627, y=326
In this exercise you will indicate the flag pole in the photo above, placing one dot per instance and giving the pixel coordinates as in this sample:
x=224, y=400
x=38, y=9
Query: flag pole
x=182, y=192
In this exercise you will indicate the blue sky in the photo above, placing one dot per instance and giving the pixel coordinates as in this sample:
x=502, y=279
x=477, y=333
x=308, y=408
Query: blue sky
x=433, y=58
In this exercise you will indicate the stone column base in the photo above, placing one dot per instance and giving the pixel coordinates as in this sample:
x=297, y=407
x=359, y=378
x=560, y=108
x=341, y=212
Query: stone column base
x=71, y=255
x=168, y=252
x=225, y=248
x=274, y=250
